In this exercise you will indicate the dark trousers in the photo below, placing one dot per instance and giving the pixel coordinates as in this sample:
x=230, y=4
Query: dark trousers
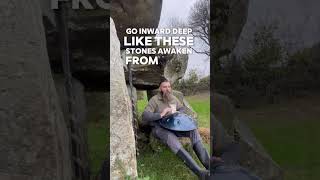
x=171, y=138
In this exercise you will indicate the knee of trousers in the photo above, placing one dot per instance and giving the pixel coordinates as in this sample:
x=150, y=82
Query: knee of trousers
x=168, y=138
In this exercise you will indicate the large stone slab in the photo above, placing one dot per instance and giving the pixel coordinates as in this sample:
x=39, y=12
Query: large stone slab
x=89, y=47
x=34, y=138
x=122, y=143
x=135, y=13
x=88, y=44
x=148, y=77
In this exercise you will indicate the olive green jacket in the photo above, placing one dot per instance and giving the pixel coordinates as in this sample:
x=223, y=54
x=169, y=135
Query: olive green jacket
x=156, y=105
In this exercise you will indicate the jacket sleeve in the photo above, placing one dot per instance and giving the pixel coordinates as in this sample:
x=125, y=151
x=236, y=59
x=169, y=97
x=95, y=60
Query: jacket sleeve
x=180, y=107
x=149, y=113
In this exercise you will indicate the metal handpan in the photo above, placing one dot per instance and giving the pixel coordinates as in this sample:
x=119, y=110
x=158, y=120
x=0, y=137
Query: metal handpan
x=178, y=122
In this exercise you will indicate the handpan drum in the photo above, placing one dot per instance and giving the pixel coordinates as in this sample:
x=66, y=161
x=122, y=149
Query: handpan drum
x=178, y=122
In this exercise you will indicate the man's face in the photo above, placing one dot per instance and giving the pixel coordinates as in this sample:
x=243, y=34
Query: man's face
x=165, y=87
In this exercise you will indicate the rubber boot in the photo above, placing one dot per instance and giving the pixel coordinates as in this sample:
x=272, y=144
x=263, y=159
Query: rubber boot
x=187, y=159
x=202, y=154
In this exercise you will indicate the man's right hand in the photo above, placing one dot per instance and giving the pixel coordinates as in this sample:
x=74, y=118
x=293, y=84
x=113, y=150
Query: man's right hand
x=165, y=111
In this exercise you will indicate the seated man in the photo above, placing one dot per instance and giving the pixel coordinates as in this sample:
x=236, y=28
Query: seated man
x=158, y=107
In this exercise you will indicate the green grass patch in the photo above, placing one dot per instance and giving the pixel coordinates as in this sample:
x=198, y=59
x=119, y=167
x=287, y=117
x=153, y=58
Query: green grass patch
x=97, y=142
x=201, y=105
x=141, y=105
x=164, y=165
x=289, y=132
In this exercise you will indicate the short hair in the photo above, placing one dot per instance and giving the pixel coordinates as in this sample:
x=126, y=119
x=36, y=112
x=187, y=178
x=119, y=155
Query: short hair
x=163, y=79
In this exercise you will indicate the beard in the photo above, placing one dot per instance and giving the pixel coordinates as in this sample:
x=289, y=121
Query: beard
x=167, y=96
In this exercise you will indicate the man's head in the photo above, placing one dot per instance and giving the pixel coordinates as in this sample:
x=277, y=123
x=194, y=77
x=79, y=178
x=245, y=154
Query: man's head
x=165, y=89
x=165, y=86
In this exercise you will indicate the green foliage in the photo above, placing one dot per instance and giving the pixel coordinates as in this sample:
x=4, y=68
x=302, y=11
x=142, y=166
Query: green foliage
x=144, y=178
x=301, y=66
x=267, y=72
x=261, y=62
x=193, y=84
x=193, y=77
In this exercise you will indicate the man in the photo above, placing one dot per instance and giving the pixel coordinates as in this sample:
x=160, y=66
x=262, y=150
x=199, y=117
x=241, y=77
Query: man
x=157, y=108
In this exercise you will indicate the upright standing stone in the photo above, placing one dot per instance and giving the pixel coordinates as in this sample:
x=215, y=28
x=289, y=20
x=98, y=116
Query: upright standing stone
x=33, y=135
x=122, y=143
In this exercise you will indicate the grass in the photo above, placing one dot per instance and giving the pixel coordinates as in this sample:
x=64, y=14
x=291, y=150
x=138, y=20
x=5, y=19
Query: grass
x=162, y=165
x=97, y=142
x=201, y=104
x=151, y=165
x=142, y=104
x=165, y=165
x=289, y=132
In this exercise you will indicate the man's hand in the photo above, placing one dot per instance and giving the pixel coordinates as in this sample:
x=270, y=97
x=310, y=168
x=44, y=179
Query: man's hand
x=165, y=111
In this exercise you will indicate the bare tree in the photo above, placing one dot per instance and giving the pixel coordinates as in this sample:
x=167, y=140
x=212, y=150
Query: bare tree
x=199, y=21
x=177, y=22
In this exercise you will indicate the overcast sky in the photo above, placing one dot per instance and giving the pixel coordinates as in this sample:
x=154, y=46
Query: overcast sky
x=180, y=9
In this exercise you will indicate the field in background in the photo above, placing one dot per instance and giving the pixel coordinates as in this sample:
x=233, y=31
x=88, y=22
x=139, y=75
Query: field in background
x=290, y=133
x=201, y=104
x=97, y=142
